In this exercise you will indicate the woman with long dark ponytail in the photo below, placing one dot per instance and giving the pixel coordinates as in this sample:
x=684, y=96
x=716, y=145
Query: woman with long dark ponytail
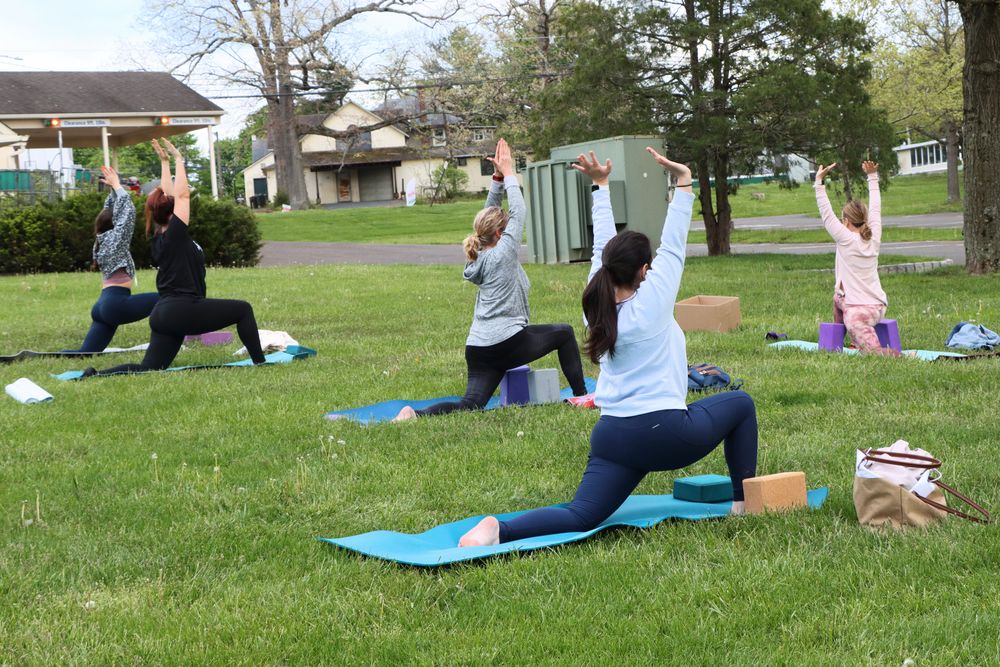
x=183, y=309
x=500, y=337
x=645, y=423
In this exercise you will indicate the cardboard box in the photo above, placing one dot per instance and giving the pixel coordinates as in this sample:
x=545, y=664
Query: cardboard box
x=769, y=493
x=708, y=313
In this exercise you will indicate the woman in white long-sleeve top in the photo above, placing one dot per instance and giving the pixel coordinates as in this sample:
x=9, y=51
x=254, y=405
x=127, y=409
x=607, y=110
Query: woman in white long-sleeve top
x=645, y=423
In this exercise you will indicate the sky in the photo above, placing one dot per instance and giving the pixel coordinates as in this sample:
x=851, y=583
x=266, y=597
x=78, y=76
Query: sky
x=98, y=35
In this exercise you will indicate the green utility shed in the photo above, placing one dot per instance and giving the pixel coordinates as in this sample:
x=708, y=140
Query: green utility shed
x=558, y=197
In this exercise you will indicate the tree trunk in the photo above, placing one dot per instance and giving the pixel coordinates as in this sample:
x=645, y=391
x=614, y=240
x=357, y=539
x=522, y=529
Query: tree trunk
x=718, y=243
x=287, y=151
x=981, y=135
x=951, y=152
x=707, y=209
x=845, y=177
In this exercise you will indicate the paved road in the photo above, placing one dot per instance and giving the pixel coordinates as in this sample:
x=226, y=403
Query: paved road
x=806, y=222
x=284, y=253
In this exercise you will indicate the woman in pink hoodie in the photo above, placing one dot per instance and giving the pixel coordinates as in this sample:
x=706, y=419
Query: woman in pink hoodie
x=858, y=299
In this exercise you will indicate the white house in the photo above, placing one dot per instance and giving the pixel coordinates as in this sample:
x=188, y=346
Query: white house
x=923, y=158
x=376, y=165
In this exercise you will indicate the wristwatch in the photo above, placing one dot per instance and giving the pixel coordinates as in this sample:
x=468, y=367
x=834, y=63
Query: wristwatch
x=595, y=187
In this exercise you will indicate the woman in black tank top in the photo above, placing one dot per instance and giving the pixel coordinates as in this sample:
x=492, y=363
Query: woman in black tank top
x=183, y=309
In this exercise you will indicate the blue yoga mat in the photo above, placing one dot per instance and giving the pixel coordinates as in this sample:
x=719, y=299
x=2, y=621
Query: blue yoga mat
x=439, y=545
x=807, y=346
x=290, y=354
x=386, y=410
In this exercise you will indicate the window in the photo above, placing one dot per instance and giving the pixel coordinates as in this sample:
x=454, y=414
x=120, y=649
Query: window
x=482, y=134
x=485, y=167
x=521, y=163
x=462, y=161
x=440, y=137
x=921, y=156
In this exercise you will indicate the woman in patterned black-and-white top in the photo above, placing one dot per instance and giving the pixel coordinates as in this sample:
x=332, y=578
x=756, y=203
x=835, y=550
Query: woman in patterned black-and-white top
x=117, y=305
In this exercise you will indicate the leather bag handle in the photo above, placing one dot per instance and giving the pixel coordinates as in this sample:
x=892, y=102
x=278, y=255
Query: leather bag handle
x=909, y=460
x=950, y=510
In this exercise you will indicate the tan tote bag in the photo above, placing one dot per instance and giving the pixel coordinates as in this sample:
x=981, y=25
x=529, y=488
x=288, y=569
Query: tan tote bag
x=900, y=487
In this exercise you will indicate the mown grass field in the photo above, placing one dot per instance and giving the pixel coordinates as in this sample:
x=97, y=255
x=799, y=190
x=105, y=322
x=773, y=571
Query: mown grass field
x=889, y=234
x=450, y=223
x=206, y=554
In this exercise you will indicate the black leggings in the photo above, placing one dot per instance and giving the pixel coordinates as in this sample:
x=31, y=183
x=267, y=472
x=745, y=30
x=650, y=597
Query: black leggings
x=487, y=365
x=177, y=316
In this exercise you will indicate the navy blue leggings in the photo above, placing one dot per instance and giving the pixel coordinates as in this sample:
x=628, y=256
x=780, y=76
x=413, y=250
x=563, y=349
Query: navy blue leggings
x=115, y=306
x=487, y=365
x=624, y=449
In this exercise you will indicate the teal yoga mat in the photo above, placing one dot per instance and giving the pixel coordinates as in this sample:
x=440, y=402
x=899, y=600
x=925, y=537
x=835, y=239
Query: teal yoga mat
x=807, y=346
x=292, y=353
x=439, y=545
x=386, y=410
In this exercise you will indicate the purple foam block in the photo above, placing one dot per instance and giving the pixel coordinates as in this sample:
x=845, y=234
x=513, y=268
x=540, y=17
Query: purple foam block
x=216, y=338
x=192, y=339
x=888, y=334
x=514, y=387
x=831, y=336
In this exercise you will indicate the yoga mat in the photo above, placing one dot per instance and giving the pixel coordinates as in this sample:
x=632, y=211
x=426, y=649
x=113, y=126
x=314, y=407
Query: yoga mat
x=291, y=354
x=386, y=410
x=439, y=545
x=31, y=354
x=807, y=346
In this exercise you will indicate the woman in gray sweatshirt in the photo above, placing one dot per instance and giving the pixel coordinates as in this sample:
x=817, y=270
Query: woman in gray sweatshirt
x=500, y=337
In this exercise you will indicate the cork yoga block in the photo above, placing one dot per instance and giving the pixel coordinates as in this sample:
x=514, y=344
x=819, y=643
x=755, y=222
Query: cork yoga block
x=783, y=490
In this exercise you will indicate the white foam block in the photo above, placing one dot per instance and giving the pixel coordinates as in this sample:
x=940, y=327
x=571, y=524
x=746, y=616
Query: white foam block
x=27, y=392
x=543, y=386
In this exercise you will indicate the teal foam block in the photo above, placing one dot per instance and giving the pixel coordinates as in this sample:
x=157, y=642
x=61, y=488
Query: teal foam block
x=704, y=489
x=387, y=410
x=290, y=354
x=807, y=346
x=439, y=545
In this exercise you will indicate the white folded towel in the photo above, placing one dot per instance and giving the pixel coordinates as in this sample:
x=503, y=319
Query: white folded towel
x=27, y=392
x=271, y=341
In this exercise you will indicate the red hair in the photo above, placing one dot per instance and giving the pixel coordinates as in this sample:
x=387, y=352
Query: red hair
x=159, y=208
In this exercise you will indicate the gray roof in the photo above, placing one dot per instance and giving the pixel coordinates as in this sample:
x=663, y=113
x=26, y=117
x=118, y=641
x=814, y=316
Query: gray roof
x=40, y=93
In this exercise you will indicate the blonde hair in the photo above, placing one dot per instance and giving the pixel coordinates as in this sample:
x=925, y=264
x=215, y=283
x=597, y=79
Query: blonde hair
x=484, y=230
x=856, y=213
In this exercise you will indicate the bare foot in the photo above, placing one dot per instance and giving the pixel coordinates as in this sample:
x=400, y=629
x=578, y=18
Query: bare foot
x=738, y=507
x=406, y=413
x=486, y=533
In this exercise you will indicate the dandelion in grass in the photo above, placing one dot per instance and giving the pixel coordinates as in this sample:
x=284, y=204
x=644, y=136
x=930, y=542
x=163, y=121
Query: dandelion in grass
x=90, y=605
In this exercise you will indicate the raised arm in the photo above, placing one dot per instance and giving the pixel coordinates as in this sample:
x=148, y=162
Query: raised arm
x=664, y=277
x=601, y=213
x=834, y=227
x=166, y=180
x=122, y=210
x=182, y=192
x=495, y=196
x=510, y=240
x=874, y=200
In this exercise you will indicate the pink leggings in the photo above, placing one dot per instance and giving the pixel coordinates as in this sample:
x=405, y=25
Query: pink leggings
x=860, y=322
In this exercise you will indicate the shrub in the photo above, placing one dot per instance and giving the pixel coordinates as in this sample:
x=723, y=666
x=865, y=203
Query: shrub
x=280, y=197
x=450, y=181
x=60, y=236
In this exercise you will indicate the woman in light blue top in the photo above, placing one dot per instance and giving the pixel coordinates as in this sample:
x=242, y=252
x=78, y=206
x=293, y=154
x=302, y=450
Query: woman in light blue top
x=645, y=423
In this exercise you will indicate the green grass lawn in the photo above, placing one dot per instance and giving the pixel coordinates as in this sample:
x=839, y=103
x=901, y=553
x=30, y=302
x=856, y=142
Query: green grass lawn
x=441, y=223
x=889, y=234
x=450, y=223
x=906, y=195
x=207, y=553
